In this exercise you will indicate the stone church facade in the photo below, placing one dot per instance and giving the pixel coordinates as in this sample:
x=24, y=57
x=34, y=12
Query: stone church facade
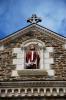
x=47, y=81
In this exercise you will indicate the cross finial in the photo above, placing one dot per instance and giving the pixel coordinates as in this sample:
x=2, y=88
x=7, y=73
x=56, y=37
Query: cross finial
x=34, y=19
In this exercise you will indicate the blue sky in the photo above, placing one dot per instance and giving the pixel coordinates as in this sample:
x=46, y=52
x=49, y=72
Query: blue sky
x=14, y=13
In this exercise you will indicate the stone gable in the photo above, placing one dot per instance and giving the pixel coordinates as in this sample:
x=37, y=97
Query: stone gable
x=49, y=38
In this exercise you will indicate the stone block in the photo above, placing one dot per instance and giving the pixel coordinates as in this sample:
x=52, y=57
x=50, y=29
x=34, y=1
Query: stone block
x=50, y=72
x=48, y=61
x=46, y=55
x=19, y=67
x=14, y=73
x=16, y=50
x=1, y=48
x=49, y=49
x=64, y=46
x=17, y=61
x=47, y=66
x=19, y=56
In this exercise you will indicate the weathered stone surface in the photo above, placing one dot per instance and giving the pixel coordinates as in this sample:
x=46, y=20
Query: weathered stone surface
x=50, y=40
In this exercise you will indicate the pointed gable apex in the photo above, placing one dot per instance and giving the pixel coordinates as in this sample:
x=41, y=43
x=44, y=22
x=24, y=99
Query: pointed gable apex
x=29, y=28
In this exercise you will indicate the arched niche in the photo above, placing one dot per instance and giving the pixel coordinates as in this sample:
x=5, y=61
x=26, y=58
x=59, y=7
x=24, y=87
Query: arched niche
x=40, y=46
x=44, y=53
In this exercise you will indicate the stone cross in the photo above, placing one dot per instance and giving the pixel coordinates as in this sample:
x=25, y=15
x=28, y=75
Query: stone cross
x=34, y=19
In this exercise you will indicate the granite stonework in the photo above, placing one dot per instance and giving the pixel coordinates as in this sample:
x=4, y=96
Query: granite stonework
x=50, y=39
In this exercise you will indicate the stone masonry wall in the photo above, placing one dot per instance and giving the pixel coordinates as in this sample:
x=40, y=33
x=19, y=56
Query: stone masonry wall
x=59, y=53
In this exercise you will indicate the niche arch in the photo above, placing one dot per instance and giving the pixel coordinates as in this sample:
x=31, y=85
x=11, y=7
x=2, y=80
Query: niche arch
x=40, y=46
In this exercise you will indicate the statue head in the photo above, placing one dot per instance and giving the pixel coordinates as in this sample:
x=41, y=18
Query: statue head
x=32, y=47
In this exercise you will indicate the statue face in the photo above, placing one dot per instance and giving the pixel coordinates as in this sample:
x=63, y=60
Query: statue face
x=32, y=47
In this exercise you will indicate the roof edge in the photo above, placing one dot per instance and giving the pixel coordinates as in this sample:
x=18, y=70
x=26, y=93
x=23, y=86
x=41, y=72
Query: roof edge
x=30, y=25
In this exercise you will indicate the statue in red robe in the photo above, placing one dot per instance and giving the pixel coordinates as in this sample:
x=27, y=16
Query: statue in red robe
x=32, y=58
